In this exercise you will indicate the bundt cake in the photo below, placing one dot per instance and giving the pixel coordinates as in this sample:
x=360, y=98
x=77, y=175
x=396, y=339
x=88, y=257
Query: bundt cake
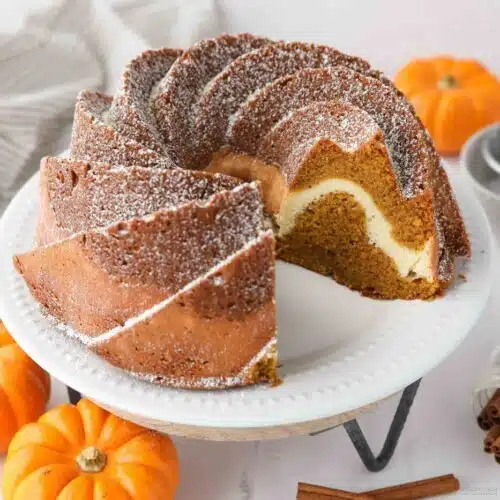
x=156, y=238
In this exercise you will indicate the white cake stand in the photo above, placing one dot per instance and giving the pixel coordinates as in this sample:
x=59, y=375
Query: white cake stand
x=341, y=353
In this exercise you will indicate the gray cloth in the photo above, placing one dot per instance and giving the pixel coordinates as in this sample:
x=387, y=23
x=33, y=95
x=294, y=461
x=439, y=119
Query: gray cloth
x=71, y=45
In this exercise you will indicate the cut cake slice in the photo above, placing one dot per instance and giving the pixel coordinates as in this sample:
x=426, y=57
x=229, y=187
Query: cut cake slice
x=118, y=271
x=217, y=332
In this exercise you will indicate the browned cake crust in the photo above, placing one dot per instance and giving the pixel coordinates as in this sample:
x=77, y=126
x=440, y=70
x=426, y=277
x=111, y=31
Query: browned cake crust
x=93, y=139
x=206, y=335
x=80, y=195
x=74, y=289
x=170, y=272
x=250, y=73
x=120, y=270
x=130, y=112
x=176, y=106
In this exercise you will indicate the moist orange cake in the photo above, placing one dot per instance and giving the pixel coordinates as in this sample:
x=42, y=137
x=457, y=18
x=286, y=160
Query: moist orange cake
x=157, y=238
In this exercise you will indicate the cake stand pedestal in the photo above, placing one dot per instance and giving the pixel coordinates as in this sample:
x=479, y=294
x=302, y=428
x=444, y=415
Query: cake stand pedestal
x=377, y=463
x=371, y=462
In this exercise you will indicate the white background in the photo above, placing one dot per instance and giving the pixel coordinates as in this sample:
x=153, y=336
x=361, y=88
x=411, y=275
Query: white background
x=441, y=435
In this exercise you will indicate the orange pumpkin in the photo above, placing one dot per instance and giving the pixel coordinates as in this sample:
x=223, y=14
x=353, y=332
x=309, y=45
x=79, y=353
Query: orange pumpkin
x=83, y=452
x=453, y=97
x=24, y=389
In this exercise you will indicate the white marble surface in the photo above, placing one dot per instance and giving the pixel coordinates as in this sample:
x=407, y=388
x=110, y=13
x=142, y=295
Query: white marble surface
x=441, y=435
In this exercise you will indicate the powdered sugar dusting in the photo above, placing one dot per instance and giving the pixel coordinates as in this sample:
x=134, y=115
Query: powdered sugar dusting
x=130, y=113
x=189, y=286
x=64, y=328
x=247, y=75
x=176, y=108
x=402, y=132
x=174, y=246
x=93, y=139
x=205, y=330
x=87, y=195
x=293, y=137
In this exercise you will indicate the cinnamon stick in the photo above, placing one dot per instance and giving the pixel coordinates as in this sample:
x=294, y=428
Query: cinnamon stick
x=418, y=489
x=491, y=437
x=495, y=447
x=484, y=421
x=313, y=492
x=408, y=491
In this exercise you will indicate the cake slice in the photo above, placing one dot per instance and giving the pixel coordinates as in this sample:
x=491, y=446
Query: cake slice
x=218, y=331
x=118, y=271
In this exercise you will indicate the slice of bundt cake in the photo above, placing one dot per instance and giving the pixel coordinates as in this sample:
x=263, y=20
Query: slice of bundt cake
x=179, y=234
x=167, y=270
x=202, y=336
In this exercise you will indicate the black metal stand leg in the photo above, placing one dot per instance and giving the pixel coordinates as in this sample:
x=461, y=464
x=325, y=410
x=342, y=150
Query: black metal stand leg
x=74, y=396
x=376, y=464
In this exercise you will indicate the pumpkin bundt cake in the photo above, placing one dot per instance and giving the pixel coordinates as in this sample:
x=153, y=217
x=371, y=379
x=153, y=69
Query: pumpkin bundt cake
x=156, y=237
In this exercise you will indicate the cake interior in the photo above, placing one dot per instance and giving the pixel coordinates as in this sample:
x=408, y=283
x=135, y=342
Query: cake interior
x=343, y=215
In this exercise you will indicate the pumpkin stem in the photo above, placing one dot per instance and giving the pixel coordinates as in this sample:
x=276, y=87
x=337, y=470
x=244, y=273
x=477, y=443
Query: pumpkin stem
x=447, y=82
x=91, y=459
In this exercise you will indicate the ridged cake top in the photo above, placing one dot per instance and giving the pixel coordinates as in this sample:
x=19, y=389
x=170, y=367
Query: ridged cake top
x=231, y=91
x=88, y=195
x=130, y=112
x=173, y=246
x=94, y=139
x=148, y=226
x=402, y=132
x=249, y=74
x=293, y=137
x=228, y=90
x=176, y=102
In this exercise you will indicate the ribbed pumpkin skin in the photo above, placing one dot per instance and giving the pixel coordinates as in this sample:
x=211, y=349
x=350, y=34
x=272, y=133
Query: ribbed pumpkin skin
x=44, y=460
x=24, y=389
x=454, y=98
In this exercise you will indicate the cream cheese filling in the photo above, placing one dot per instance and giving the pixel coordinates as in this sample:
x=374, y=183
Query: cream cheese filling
x=409, y=262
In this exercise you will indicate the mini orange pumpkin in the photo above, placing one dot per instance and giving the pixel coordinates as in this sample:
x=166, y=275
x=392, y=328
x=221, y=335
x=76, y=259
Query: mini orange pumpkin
x=453, y=97
x=84, y=452
x=24, y=389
